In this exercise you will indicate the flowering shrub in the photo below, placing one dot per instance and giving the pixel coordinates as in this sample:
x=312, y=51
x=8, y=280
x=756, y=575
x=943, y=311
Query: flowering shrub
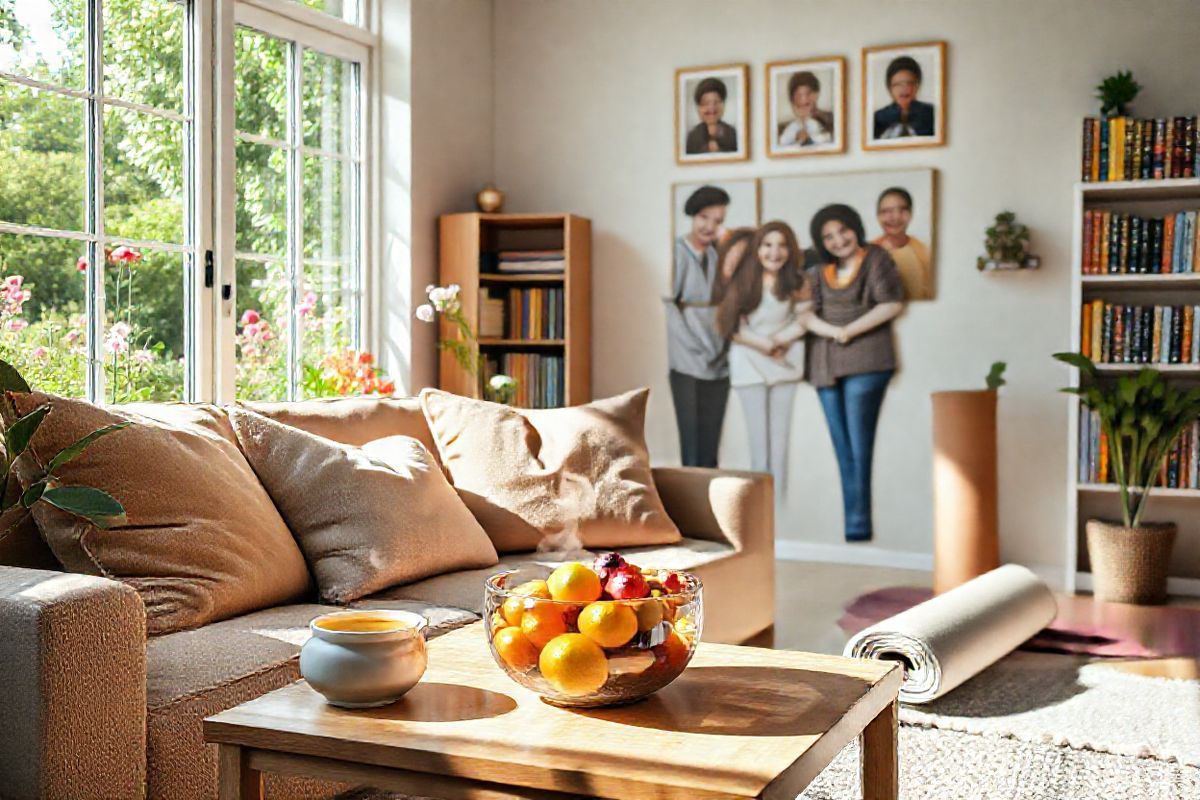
x=348, y=372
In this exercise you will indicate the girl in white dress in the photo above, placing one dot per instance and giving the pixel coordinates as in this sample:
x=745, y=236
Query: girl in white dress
x=764, y=315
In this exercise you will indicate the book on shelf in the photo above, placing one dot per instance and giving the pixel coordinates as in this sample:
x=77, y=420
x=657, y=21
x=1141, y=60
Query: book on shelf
x=536, y=313
x=1180, y=469
x=491, y=315
x=1124, y=148
x=1125, y=334
x=539, y=377
x=523, y=261
x=1119, y=243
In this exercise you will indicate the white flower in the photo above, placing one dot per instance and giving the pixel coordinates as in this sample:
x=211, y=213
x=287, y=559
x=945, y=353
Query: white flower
x=429, y=288
x=120, y=330
x=425, y=312
x=500, y=383
x=452, y=290
x=438, y=297
x=144, y=356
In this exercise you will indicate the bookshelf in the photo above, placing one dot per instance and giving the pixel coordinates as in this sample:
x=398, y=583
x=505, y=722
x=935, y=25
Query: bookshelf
x=468, y=247
x=1088, y=500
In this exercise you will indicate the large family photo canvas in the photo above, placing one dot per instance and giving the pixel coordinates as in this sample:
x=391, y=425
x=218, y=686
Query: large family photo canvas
x=742, y=211
x=904, y=96
x=712, y=114
x=806, y=107
x=897, y=208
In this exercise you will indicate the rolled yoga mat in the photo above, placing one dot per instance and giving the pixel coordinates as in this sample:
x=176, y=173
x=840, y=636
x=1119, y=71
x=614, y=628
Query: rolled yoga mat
x=956, y=635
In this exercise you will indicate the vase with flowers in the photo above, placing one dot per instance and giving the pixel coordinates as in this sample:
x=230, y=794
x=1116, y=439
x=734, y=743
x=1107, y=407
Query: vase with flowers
x=461, y=342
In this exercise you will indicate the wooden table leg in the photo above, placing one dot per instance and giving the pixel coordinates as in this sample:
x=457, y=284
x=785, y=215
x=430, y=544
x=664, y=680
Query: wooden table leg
x=880, y=769
x=235, y=779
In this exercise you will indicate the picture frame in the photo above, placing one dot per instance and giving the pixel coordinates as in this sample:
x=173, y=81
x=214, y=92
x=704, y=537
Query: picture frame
x=744, y=210
x=820, y=84
x=712, y=114
x=904, y=96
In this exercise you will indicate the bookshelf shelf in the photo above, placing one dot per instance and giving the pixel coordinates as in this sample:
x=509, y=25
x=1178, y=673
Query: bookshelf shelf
x=1090, y=500
x=566, y=361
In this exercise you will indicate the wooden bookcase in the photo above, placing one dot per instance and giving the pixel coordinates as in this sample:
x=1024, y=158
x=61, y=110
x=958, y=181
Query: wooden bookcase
x=464, y=238
x=1090, y=500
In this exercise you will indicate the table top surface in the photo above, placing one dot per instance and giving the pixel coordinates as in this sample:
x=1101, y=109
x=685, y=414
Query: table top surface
x=738, y=721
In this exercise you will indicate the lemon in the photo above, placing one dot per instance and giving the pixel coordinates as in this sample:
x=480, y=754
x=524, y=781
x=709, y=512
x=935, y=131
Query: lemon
x=575, y=582
x=541, y=622
x=608, y=624
x=573, y=664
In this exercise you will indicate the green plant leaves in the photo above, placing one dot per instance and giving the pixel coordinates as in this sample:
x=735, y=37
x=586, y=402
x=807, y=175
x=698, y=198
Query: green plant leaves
x=73, y=451
x=33, y=494
x=11, y=380
x=18, y=435
x=96, y=506
x=995, y=376
x=1079, y=361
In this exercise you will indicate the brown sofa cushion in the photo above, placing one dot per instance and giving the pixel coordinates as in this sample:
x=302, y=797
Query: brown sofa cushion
x=352, y=420
x=518, y=470
x=202, y=540
x=366, y=518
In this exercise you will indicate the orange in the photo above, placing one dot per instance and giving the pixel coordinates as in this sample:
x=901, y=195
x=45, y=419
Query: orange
x=515, y=648
x=672, y=654
x=574, y=664
x=608, y=624
x=575, y=582
x=542, y=622
x=649, y=614
x=514, y=606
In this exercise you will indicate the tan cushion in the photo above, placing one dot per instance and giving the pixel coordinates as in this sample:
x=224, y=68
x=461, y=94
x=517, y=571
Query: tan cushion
x=352, y=420
x=465, y=589
x=365, y=518
x=517, y=470
x=202, y=541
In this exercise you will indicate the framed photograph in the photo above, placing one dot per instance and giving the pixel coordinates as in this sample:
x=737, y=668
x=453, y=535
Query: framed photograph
x=897, y=207
x=806, y=107
x=904, y=96
x=705, y=213
x=712, y=114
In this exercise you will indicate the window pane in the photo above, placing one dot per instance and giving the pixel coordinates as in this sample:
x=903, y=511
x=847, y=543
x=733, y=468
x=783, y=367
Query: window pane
x=263, y=295
x=143, y=176
x=145, y=319
x=43, y=172
x=260, y=84
x=326, y=313
x=43, y=330
x=326, y=216
x=143, y=52
x=262, y=199
x=44, y=40
x=345, y=9
x=327, y=86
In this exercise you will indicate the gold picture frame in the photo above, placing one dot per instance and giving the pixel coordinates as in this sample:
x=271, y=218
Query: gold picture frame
x=774, y=130
x=874, y=82
x=687, y=80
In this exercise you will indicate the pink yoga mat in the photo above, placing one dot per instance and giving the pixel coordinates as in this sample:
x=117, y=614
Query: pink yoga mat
x=1083, y=626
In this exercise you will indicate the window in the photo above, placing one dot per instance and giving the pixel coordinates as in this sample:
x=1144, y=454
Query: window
x=112, y=205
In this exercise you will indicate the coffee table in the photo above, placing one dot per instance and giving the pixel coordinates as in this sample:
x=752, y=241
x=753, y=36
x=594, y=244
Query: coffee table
x=741, y=722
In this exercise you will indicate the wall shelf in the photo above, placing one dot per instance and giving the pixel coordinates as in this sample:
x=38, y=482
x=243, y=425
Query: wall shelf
x=491, y=341
x=523, y=277
x=1135, y=191
x=1158, y=491
x=1165, y=281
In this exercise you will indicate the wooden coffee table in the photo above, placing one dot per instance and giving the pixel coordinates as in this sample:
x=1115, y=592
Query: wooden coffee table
x=741, y=722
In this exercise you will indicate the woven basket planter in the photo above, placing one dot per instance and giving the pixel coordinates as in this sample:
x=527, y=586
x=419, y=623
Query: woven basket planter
x=1129, y=565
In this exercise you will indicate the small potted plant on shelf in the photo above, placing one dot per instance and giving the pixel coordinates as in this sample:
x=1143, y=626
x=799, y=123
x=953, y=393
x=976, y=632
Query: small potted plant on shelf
x=1116, y=92
x=1006, y=242
x=1142, y=416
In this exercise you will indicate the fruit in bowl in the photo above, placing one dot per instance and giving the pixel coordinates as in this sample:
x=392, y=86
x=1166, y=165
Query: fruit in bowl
x=594, y=634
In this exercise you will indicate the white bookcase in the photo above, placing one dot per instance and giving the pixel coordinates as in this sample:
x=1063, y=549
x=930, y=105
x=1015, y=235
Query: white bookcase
x=1091, y=500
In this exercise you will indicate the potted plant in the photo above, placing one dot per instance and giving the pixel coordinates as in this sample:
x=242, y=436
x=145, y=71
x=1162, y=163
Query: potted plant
x=1141, y=415
x=1116, y=92
x=966, y=539
x=1005, y=243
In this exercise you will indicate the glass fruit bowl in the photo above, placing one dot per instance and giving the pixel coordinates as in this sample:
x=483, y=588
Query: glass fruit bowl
x=581, y=636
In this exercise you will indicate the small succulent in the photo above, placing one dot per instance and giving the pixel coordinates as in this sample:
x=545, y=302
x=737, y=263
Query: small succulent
x=1005, y=240
x=1116, y=92
x=995, y=376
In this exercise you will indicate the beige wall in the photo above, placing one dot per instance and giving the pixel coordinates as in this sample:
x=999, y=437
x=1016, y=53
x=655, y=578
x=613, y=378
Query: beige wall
x=436, y=144
x=583, y=122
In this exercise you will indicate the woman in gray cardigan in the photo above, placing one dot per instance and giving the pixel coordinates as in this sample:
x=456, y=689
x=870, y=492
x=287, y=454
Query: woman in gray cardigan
x=857, y=293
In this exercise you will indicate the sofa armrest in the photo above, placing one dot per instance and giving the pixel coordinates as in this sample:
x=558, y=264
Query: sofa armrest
x=74, y=705
x=720, y=505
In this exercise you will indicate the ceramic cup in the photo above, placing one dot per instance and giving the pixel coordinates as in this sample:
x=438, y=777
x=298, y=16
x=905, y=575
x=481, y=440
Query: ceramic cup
x=363, y=659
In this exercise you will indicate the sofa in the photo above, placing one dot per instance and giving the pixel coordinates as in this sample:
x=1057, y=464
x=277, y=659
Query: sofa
x=94, y=708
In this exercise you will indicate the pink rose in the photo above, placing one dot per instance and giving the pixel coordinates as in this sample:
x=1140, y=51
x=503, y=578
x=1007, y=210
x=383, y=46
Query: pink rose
x=250, y=316
x=39, y=353
x=125, y=255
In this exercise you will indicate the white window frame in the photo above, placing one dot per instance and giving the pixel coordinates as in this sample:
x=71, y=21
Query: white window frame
x=310, y=30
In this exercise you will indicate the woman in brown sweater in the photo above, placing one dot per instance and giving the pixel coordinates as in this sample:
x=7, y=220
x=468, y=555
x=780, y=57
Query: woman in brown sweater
x=857, y=293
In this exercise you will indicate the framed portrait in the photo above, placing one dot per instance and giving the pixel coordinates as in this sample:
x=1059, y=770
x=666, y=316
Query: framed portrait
x=712, y=114
x=705, y=213
x=898, y=210
x=806, y=107
x=904, y=96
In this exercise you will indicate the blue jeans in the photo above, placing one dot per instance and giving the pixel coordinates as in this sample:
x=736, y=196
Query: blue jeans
x=852, y=412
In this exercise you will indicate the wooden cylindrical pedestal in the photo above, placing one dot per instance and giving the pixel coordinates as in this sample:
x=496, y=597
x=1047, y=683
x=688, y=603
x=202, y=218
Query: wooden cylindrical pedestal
x=966, y=541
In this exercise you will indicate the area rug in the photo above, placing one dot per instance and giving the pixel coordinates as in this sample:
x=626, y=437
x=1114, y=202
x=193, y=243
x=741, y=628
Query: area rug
x=1109, y=630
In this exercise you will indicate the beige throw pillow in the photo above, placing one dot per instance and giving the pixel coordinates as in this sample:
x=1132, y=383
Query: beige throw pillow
x=351, y=420
x=531, y=475
x=202, y=540
x=366, y=518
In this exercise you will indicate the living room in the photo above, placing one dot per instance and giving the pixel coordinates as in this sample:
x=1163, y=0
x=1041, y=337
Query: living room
x=527, y=283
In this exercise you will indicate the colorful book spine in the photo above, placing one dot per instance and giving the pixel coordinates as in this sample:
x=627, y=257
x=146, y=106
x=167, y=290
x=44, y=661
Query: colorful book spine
x=1088, y=130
